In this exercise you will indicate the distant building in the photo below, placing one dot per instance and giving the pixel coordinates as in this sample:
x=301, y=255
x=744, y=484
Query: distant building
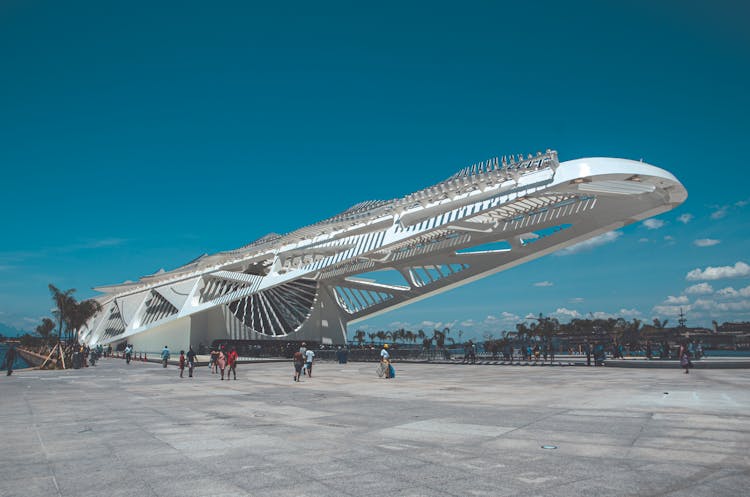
x=734, y=327
x=380, y=255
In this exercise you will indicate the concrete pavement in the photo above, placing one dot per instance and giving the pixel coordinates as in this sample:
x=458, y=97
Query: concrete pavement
x=434, y=430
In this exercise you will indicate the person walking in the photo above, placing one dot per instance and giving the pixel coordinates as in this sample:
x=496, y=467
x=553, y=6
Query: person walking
x=385, y=358
x=128, y=353
x=165, y=356
x=232, y=362
x=10, y=358
x=685, y=358
x=182, y=362
x=191, y=361
x=309, y=356
x=213, y=361
x=303, y=351
x=587, y=349
x=221, y=362
x=297, y=360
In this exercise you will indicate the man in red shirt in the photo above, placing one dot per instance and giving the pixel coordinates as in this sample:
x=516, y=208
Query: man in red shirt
x=232, y=362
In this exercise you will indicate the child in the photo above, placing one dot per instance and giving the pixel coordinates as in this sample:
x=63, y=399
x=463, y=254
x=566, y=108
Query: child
x=182, y=362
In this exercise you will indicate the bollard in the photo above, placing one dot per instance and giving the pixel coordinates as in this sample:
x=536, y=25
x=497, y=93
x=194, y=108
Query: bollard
x=145, y=357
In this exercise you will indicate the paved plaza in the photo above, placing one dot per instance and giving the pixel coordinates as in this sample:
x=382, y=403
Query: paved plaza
x=434, y=430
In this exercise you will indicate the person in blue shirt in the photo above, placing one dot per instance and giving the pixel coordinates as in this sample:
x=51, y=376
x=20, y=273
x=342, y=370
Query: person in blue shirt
x=165, y=356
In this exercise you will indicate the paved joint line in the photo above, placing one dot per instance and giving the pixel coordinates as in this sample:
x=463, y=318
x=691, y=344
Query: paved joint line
x=44, y=447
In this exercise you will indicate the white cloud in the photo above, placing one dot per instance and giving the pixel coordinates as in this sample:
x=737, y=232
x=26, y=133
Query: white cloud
x=591, y=243
x=699, y=289
x=653, y=224
x=742, y=203
x=576, y=300
x=685, y=218
x=720, y=212
x=468, y=323
x=567, y=313
x=740, y=269
x=677, y=300
x=730, y=292
x=670, y=310
x=706, y=242
x=629, y=313
x=601, y=315
x=431, y=324
x=712, y=305
x=510, y=317
x=544, y=283
x=643, y=240
x=669, y=238
x=490, y=319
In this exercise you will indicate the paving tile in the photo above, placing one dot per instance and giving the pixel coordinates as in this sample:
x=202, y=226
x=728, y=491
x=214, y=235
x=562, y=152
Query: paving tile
x=437, y=430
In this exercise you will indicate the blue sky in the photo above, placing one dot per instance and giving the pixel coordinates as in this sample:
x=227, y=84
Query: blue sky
x=138, y=136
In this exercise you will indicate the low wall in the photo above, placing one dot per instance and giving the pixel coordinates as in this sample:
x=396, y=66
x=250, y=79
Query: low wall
x=32, y=358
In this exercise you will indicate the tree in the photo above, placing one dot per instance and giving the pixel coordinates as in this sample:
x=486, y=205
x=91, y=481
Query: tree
x=439, y=338
x=359, y=336
x=523, y=331
x=81, y=312
x=631, y=334
x=44, y=329
x=64, y=302
x=660, y=324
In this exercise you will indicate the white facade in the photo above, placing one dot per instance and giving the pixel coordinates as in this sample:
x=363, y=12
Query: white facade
x=381, y=255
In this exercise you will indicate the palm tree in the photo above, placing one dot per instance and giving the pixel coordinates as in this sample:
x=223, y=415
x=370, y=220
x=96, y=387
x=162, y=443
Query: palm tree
x=359, y=336
x=439, y=338
x=81, y=313
x=64, y=302
x=660, y=324
x=44, y=329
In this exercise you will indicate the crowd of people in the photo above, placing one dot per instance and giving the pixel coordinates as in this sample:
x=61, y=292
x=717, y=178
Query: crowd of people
x=223, y=357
